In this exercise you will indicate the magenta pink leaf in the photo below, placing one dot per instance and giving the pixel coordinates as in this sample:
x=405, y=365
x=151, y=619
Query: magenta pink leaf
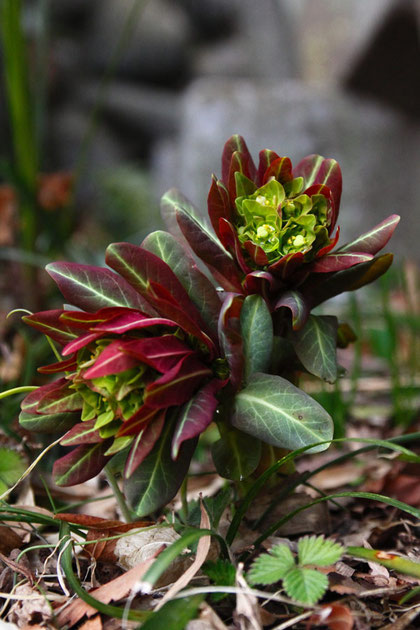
x=161, y=353
x=81, y=342
x=317, y=170
x=373, y=241
x=287, y=265
x=230, y=336
x=196, y=415
x=82, y=433
x=112, y=360
x=177, y=385
x=230, y=240
x=85, y=321
x=81, y=464
x=338, y=262
x=49, y=323
x=296, y=303
x=131, y=320
x=256, y=253
x=91, y=288
x=144, y=443
x=262, y=282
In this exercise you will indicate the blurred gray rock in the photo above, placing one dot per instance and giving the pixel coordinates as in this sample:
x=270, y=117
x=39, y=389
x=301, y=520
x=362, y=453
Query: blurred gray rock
x=156, y=45
x=152, y=111
x=376, y=148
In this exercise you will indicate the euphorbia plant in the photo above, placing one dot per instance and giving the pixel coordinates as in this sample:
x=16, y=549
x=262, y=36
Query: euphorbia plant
x=155, y=352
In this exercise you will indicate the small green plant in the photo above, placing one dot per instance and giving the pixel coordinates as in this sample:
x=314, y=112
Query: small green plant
x=300, y=581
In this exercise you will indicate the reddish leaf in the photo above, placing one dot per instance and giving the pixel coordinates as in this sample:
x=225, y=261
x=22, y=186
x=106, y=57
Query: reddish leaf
x=196, y=415
x=280, y=169
x=82, y=433
x=81, y=342
x=257, y=254
x=31, y=401
x=287, y=265
x=295, y=302
x=132, y=320
x=161, y=353
x=230, y=336
x=81, y=464
x=50, y=324
x=112, y=360
x=218, y=204
x=325, y=250
x=91, y=288
x=85, y=321
x=178, y=384
x=59, y=400
x=60, y=366
x=317, y=170
x=267, y=157
x=262, y=282
x=138, y=421
x=236, y=151
x=230, y=240
x=144, y=443
x=338, y=262
x=211, y=252
x=322, y=189
x=373, y=241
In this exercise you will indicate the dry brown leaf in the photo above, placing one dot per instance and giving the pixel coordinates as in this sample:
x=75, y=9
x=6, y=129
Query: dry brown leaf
x=7, y=215
x=200, y=557
x=114, y=590
x=54, y=190
x=247, y=613
x=92, y=624
x=31, y=606
x=9, y=540
x=335, y=616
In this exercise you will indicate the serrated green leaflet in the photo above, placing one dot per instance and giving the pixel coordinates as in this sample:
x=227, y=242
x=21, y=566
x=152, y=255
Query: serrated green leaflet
x=158, y=478
x=305, y=585
x=319, y=551
x=271, y=567
x=257, y=335
x=275, y=411
x=315, y=345
x=236, y=455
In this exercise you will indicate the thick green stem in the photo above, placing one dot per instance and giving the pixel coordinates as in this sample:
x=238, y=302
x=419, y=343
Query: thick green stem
x=125, y=510
x=184, y=501
x=18, y=390
x=388, y=560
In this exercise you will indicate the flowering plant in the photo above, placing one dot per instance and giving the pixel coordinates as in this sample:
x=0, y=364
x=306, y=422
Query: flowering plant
x=152, y=351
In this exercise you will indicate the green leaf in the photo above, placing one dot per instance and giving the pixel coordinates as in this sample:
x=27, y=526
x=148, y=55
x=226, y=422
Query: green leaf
x=175, y=614
x=319, y=551
x=199, y=288
x=221, y=573
x=48, y=423
x=315, y=345
x=271, y=567
x=157, y=479
x=12, y=467
x=305, y=585
x=257, y=335
x=236, y=455
x=275, y=411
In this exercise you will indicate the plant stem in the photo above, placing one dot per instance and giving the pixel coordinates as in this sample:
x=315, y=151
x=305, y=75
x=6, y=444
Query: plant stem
x=18, y=390
x=125, y=510
x=183, y=490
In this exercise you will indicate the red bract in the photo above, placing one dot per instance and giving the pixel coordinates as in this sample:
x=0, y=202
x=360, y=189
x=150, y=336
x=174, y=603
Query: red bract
x=140, y=356
x=275, y=229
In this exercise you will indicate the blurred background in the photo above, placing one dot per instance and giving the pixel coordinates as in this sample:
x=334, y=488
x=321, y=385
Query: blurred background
x=105, y=105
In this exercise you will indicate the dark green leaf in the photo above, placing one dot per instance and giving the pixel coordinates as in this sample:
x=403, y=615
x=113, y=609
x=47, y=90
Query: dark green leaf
x=316, y=346
x=257, y=335
x=48, y=423
x=158, y=478
x=275, y=411
x=236, y=455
